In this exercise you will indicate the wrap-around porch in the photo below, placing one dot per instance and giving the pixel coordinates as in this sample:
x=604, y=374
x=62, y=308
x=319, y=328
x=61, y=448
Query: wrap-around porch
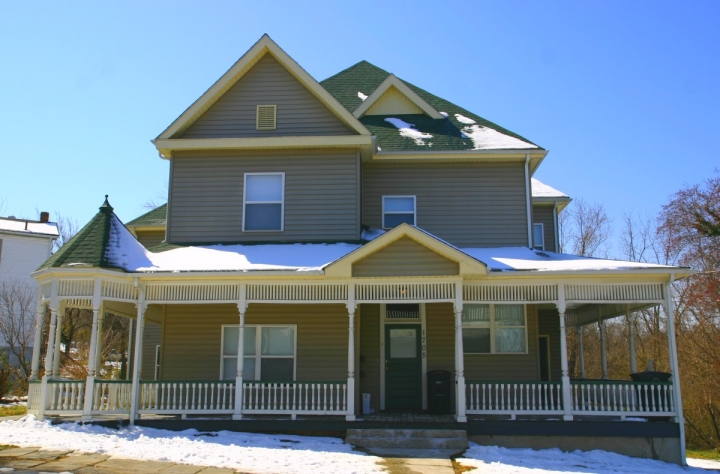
x=333, y=383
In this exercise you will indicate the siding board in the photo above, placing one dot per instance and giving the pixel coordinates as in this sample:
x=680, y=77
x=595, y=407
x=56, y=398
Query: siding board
x=299, y=113
x=321, y=195
x=467, y=204
x=405, y=257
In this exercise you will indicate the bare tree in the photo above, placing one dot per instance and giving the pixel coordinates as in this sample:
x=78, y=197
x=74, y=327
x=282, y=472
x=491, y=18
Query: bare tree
x=585, y=229
x=160, y=198
x=67, y=228
x=17, y=324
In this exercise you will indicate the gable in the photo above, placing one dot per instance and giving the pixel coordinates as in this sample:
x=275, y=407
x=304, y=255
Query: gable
x=299, y=112
x=404, y=257
x=393, y=102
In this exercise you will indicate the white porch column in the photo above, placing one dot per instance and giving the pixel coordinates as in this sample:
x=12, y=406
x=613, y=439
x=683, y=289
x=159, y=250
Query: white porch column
x=581, y=352
x=566, y=389
x=92, y=361
x=603, y=350
x=130, y=358
x=672, y=352
x=98, y=346
x=58, y=340
x=137, y=363
x=239, y=392
x=37, y=345
x=460, y=404
x=631, y=338
x=50, y=352
x=351, y=306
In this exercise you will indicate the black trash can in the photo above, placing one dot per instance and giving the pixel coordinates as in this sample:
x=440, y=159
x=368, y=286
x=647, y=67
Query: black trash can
x=652, y=399
x=439, y=391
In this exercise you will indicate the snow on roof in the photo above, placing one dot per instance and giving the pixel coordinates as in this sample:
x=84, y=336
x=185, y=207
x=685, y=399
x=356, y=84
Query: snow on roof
x=362, y=96
x=29, y=227
x=505, y=259
x=485, y=137
x=540, y=189
x=407, y=131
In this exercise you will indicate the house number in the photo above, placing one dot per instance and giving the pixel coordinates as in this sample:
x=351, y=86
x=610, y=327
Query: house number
x=424, y=345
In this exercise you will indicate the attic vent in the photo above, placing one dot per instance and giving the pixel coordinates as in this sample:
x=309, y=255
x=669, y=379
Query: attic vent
x=266, y=117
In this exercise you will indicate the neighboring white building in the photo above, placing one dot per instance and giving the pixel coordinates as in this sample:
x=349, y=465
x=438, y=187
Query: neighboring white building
x=24, y=246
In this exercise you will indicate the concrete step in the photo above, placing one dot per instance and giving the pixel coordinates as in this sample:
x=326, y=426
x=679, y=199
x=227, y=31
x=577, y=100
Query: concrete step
x=410, y=439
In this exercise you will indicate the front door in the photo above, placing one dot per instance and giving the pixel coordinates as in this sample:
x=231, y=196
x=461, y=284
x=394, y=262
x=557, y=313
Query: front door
x=403, y=367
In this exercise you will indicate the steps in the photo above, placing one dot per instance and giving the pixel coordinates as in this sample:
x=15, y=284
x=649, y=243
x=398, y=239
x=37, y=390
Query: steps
x=407, y=439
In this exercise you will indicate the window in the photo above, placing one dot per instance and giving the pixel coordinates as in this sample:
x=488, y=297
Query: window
x=264, y=206
x=398, y=209
x=269, y=353
x=266, y=117
x=538, y=237
x=494, y=329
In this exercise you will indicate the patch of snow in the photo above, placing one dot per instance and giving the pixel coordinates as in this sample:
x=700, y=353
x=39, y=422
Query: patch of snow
x=496, y=460
x=224, y=449
x=371, y=234
x=523, y=258
x=362, y=96
x=124, y=250
x=633, y=418
x=540, y=189
x=488, y=138
x=407, y=130
x=45, y=228
x=444, y=114
x=704, y=463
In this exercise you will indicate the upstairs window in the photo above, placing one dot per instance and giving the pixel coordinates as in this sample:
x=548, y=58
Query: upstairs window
x=538, y=237
x=266, y=117
x=264, y=202
x=398, y=209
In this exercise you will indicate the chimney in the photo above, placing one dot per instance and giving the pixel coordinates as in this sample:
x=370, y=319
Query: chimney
x=44, y=216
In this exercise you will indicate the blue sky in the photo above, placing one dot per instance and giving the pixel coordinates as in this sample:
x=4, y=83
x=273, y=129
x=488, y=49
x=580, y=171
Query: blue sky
x=625, y=95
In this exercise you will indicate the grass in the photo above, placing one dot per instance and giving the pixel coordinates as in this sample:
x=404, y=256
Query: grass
x=3, y=447
x=13, y=410
x=711, y=454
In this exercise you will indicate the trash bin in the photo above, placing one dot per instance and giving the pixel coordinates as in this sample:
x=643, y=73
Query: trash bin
x=438, y=383
x=652, y=398
x=366, y=404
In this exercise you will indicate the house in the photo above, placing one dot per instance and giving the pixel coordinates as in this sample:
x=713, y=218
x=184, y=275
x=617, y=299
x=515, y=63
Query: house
x=327, y=247
x=24, y=246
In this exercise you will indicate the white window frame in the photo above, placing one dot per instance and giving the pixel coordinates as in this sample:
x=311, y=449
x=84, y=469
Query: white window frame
x=414, y=213
x=281, y=202
x=542, y=234
x=493, y=326
x=258, y=347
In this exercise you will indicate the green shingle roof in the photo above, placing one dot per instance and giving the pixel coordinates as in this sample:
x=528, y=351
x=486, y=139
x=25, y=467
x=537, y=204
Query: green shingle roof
x=89, y=246
x=447, y=135
x=154, y=218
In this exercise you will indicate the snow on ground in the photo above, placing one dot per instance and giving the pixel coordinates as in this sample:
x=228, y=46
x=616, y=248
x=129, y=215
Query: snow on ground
x=247, y=452
x=540, y=189
x=485, y=137
x=523, y=258
x=496, y=460
x=407, y=131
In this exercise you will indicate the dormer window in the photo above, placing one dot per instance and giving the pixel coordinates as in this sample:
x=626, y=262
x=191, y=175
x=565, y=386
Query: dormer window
x=398, y=209
x=264, y=201
x=266, y=117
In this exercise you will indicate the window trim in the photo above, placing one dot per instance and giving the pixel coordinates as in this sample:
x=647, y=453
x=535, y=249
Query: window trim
x=542, y=234
x=493, y=326
x=414, y=213
x=281, y=202
x=258, y=348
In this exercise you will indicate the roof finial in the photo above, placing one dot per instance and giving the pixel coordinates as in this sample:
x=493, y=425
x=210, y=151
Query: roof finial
x=106, y=207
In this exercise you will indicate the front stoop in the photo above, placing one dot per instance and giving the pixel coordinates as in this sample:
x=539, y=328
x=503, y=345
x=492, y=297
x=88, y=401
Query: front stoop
x=407, y=439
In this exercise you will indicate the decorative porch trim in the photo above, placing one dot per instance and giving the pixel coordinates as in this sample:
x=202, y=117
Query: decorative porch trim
x=596, y=293
x=496, y=293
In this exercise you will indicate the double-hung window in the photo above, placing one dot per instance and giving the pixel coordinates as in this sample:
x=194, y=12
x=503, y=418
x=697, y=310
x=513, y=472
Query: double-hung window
x=264, y=196
x=268, y=352
x=538, y=237
x=398, y=209
x=494, y=329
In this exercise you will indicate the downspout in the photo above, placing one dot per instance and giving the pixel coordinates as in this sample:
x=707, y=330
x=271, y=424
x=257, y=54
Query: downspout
x=528, y=200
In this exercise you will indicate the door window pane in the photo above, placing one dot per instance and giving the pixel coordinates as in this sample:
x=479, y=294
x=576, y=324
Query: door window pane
x=276, y=369
x=263, y=187
x=403, y=343
x=263, y=216
x=278, y=341
x=510, y=340
x=476, y=341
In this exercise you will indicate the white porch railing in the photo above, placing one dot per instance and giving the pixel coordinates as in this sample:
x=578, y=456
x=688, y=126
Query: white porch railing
x=111, y=396
x=65, y=396
x=295, y=398
x=187, y=397
x=514, y=398
x=622, y=398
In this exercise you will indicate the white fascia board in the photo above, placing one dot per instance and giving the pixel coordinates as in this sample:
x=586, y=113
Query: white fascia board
x=393, y=81
x=167, y=146
x=264, y=46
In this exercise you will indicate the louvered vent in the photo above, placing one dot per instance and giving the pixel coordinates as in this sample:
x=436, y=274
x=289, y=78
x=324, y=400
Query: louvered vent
x=266, y=117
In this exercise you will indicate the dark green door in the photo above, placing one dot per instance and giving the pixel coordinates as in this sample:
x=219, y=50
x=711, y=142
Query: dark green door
x=403, y=368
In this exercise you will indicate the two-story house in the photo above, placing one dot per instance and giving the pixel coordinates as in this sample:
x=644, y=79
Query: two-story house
x=351, y=246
